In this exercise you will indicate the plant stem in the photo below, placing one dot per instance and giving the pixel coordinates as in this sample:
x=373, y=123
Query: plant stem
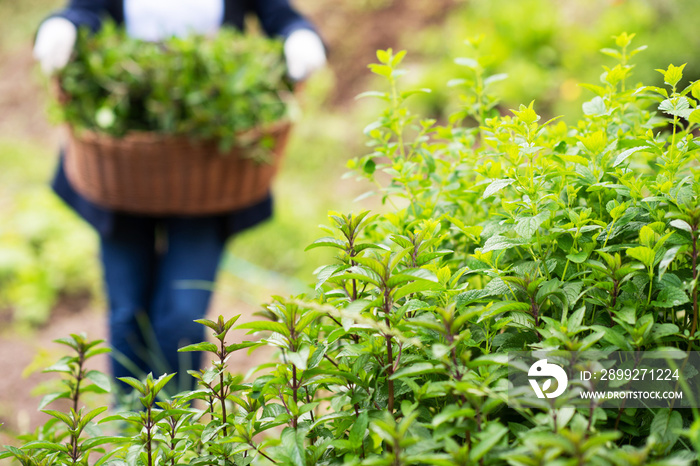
x=390, y=370
x=149, y=453
x=397, y=452
x=389, y=351
x=694, y=326
x=222, y=387
x=264, y=455
x=173, y=432
x=294, y=393
x=78, y=380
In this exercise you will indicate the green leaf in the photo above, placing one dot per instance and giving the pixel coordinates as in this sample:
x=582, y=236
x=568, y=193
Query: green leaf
x=380, y=95
x=299, y=358
x=60, y=416
x=415, y=287
x=495, y=78
x=452, y=412
x=46, y=445
x=51, y=397
x=161, y=382
x=496, y=186
x=501, y=307
x=317, y=356
x=209, y=323
x=659, y=90
x=381, y=70
x=12, y=451
x=359, y=430
x=578, y=258
x=498, y=243
x=327, y=241
x=676, y=106
x=612, y=53
x=264, y=326
x=600, y=90
x=468, y=62
x=90, y=415
x=671, y=297
x=647, y=236
x=398, y=58
x=625, y=154
x=526, y=227
x=239, y=346
x=411, y=274
x=666, y=427
x=134, y=383
x=594, y=107
x=694, y=116
x=681, y=225
x=416, y=369
x=99, y=379
x=95, y=351
x=384, y=56
x=667, y=259
x=293, y=445
x=643, y=254
x=613, y=336
x=61, y=366
x=673, y=74
x=659, y=331
x=306, y=319
x=93, y=442
x=488, y=439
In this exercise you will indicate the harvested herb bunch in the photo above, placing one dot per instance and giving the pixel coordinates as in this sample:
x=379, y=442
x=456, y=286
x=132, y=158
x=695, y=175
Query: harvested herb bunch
x=204, y=87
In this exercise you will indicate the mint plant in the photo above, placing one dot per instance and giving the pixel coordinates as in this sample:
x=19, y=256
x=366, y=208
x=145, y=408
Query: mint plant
x=69, y=437
x=502, y=232
x=206, y=88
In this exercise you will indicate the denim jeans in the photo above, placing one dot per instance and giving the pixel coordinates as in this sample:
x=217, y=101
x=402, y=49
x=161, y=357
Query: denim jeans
x=159, y=274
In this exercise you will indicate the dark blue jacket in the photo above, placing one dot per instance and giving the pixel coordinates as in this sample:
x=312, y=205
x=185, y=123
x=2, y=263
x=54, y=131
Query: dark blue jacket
x=277, y=18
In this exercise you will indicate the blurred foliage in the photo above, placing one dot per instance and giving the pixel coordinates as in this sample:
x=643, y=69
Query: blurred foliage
x=205, y=87
x=547, y=46
x=20, y=19
x=45, y=253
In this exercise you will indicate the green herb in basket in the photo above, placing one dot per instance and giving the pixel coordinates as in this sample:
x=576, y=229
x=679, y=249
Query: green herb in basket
x=204, y=87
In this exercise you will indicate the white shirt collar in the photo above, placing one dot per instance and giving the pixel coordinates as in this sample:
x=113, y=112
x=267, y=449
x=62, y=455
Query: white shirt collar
x=155, y=20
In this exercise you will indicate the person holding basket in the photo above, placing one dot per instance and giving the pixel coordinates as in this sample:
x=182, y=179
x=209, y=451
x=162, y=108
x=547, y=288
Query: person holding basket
x=146, y=259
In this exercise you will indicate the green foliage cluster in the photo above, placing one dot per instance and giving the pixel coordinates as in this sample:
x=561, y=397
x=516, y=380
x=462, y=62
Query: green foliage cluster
x=511, y=234
x=45, y=253
x=205, y=87
x=44, y=256
x=547, y=46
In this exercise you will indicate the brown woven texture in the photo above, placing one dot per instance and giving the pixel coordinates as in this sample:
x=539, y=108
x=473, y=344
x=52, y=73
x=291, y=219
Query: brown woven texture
x=149, y=173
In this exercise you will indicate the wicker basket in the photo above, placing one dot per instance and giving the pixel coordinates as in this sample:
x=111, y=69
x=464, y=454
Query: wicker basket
x=148, y=173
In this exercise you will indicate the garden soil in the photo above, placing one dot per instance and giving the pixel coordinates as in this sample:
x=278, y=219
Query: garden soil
x=23, y=356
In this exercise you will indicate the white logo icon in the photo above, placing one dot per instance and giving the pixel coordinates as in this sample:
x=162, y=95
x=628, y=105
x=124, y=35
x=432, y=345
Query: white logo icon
x=542, y=369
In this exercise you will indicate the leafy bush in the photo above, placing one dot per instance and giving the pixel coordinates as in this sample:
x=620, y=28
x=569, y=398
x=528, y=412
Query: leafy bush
x=547, y=46
x=514, y=234
x=203, y=87
x=44, y=256
x=45, y=253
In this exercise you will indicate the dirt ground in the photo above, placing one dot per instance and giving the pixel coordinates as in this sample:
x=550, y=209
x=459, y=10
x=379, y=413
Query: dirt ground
x=18, y=391
x=353, y=33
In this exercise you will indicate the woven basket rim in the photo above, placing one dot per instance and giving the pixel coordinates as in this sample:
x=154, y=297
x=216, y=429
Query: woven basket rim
x=153, y=137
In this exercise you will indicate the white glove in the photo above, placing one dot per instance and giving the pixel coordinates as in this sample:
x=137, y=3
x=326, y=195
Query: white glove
x=304, y=52
x=54, y=44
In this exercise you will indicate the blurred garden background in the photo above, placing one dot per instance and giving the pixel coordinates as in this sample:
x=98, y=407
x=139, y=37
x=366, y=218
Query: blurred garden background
x=49, y=276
